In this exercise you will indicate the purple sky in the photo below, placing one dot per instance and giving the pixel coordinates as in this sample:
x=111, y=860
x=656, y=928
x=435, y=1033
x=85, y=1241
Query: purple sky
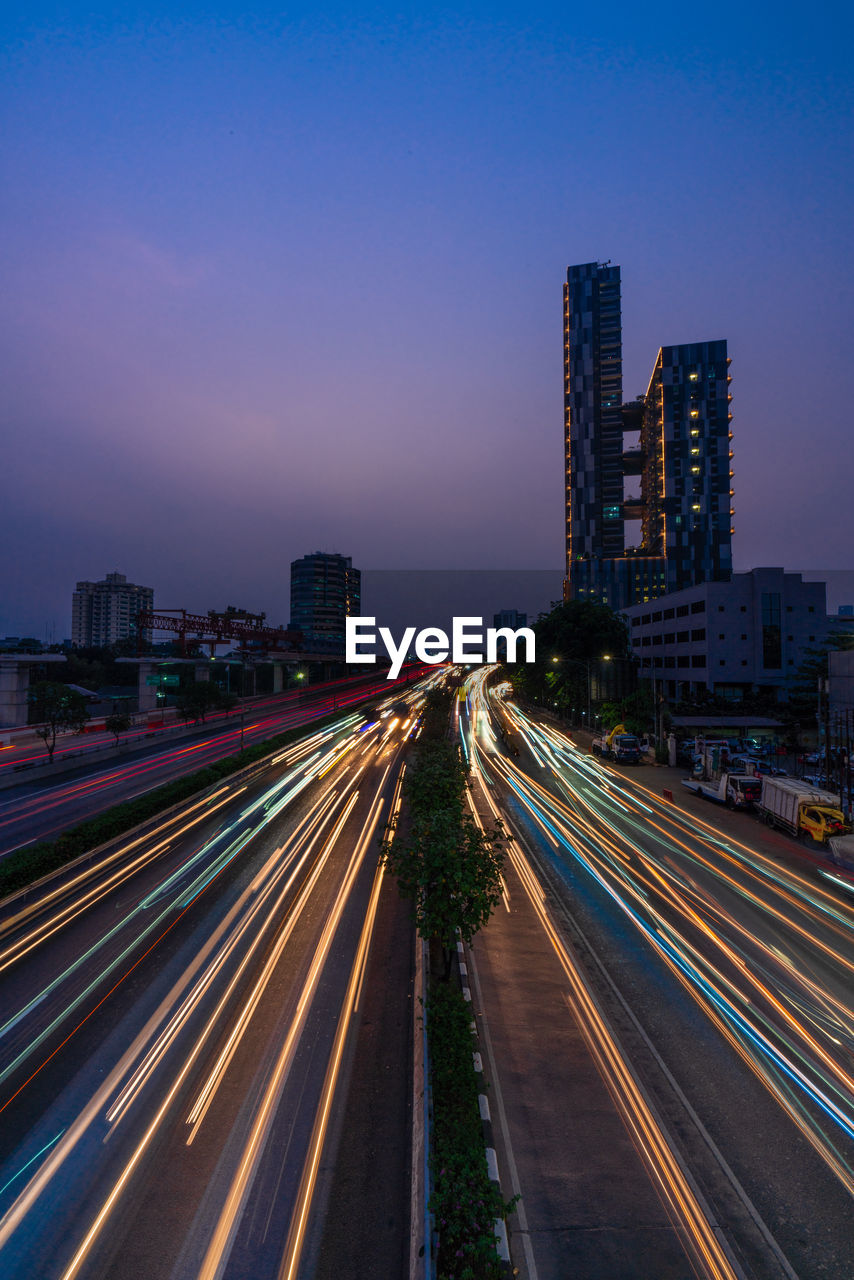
x=284, y=283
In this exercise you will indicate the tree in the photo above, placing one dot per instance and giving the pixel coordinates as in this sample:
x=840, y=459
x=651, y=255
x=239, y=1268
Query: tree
x=197, y=699
x=570, y=639
x=803, y=692
x=226, y=701
x=57, y=709
x=637, y=711
x=448, y=866
x=117, y=723
x=581, y=629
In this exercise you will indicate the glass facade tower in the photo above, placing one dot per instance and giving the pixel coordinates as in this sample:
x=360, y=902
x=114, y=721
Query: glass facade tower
x=682, y=464
x=325, y=589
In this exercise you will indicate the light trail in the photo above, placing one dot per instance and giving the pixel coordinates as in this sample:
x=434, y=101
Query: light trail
x=23, y=945
x=254, y=923
x=140, y=924
x=217, y=1073
x=35, y=812
x=170, y=1078
x=680, y=884
x=300, y=1216
x=700, y=1238
x=223, y=1235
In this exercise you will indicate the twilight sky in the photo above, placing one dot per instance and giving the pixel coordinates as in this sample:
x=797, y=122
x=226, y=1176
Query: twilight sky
x=291, y=280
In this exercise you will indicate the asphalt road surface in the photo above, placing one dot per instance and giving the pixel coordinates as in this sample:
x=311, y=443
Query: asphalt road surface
x=722, y=970
x=178, y=1020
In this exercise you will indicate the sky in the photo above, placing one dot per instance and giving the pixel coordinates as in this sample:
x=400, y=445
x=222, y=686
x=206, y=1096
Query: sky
x=290, y=279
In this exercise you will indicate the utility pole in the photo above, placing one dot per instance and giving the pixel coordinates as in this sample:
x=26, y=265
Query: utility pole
x=827, y=730
x=589, y=698
x=848, y=764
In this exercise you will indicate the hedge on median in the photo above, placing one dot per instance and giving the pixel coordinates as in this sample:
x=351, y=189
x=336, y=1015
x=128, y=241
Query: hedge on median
x=450, y=870
x=465, y=1203
x=446, y=864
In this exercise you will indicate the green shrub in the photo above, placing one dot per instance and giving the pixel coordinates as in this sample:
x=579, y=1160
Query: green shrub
x=451, y=871
x=464, y=1203
x=446, y=865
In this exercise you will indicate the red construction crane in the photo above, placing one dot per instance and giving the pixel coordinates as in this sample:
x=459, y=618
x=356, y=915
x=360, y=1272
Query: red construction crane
x=216, y=628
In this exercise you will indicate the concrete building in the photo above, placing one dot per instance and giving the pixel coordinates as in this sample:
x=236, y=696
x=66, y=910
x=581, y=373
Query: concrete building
x=651, y=513
x=510, y=618
x=747, y=635
x=325, y=589
x=102, y=613
x=840, y=688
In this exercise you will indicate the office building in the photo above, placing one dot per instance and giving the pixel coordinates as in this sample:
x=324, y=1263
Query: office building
x=510, y=618
x=840, y=689
x=105, y=612
x=651, y=513
x=325, y=589
x=748, y=635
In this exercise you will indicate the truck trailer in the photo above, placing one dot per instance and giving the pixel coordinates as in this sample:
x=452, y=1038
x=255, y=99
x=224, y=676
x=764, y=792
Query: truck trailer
x=801, y=809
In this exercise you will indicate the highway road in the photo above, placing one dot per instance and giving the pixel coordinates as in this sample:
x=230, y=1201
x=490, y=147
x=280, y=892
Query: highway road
x=699, y=964
x=28, y=750
x=41, y=810
x=175, y=1022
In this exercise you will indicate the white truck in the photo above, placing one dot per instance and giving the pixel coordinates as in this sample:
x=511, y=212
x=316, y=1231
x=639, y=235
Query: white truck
x=714, y=778
x=801, y=809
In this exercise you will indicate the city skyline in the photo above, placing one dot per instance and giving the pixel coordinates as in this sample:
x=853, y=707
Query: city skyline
x=297, y=285
x=344, y=935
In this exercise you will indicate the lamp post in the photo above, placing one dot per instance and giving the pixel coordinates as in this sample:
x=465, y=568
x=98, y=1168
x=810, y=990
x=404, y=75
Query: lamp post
x=242, y=698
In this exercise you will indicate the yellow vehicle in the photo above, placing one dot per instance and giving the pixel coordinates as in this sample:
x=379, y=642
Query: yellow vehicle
x=801, y=809
x=819, y=823
x=506, y=730
x=617, y=745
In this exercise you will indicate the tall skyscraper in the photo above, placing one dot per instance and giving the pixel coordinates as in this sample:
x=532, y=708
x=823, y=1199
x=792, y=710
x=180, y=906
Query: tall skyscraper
x=102, y=613
x=593, y=396
x=325, y=589
x=686, y=443
x=682, y=461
